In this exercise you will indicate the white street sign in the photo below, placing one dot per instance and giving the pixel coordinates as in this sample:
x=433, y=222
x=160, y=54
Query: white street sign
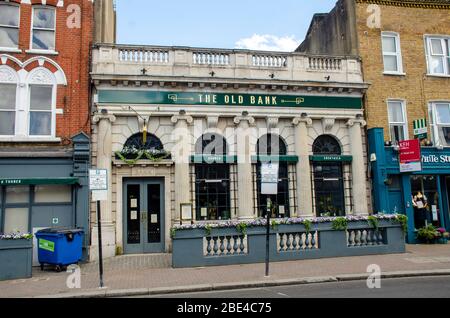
x=98, y=179
x=269, y=178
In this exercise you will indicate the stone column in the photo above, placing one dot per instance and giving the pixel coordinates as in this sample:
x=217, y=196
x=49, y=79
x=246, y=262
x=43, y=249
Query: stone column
x=244, y=167
x=104, y=161
x=304, y=190
x=180, y=154
x=359, y=183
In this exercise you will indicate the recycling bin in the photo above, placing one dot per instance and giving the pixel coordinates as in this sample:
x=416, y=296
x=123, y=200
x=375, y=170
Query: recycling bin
x=60, y=247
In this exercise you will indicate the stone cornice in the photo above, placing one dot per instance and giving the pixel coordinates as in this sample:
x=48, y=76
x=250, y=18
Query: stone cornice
x=352, y=121
x=249, y=119
x=424, y=4
x=299, y=120
x=175, y=119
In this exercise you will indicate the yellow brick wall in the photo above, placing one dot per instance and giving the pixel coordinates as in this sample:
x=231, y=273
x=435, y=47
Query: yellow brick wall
x=415, y=87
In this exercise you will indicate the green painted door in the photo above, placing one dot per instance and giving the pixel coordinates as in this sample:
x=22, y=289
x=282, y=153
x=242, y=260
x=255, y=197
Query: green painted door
x=143, y=212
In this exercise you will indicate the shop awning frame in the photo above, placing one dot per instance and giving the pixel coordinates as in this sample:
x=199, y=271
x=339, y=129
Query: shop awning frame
x=38, y=181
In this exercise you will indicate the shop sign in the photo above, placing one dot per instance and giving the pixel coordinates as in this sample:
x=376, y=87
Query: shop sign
x=436, y=159
x=420, y=129
x=226, y=99
x=331, y=158
x=410, y=156
x=269, y=178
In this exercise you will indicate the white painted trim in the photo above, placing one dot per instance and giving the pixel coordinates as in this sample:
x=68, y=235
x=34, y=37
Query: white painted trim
x=10, y=50
x=46, y=52
x=29, y=139
x=31, y=50
x=405, y=117
x=398, y=52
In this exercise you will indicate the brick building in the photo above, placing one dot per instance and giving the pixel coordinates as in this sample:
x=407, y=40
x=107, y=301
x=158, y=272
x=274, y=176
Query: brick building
x=44, y=113
x=404, y=46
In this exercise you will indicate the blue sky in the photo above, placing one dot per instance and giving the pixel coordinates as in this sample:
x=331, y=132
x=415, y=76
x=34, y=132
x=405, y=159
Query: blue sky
x=253, y=24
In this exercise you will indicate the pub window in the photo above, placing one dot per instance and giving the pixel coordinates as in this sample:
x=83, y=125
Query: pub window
x=272, y=145
x=212, y=179
x=16, y=209
x=9, y=25
x=44, y=25
x=328, y=178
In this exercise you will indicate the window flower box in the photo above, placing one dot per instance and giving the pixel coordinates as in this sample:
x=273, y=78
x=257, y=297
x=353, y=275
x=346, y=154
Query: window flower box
x=16, y=253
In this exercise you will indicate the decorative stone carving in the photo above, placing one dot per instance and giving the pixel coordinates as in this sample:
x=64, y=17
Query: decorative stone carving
x=99, y=117
x=213, y=121
x=239, y=119
x=7, y=75
x=177, y=118
x=272, y=122
x=328, y=123
x=42, y=76
x=352, y=121
x=299, y=120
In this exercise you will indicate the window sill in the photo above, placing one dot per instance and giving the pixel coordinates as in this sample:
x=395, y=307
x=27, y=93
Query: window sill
x=10, y=50
x=439, y=75
x=43, y=52
x=30, y=140
x=394, y=74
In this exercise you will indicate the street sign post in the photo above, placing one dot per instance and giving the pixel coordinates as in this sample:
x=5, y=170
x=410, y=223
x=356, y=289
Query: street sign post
x=98, y=184
x=269, y=186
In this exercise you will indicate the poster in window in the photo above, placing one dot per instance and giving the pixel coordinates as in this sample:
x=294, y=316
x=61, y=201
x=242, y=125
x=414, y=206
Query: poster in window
x=134, y=203
x=281, y=210
x=134, y=215
x=186, y=211
x=204, y=212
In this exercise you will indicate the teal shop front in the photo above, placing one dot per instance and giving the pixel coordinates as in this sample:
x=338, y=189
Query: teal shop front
x=393, y=191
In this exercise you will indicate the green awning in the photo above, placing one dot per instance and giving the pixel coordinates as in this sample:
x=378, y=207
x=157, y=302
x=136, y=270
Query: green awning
x=213, y=159
x=266, y=158
x=39, y=181
x=331, y=158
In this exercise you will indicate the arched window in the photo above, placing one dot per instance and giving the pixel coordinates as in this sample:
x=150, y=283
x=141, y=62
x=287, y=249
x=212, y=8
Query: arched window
x=211, y=144
x=269, y=147
x=328, y=177
x=8, y=100
x=326, y=145
x=137, y=142
x=42, y=103
x=212, y=180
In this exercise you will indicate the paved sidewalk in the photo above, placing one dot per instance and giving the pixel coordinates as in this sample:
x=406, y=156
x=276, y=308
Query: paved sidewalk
x=138, y=274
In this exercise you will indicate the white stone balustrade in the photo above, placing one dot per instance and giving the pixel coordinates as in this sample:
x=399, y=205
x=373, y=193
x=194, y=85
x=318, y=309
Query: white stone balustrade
x=124, y=60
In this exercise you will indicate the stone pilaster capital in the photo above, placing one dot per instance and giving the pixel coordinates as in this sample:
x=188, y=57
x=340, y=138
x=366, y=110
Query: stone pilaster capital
x=98, y=117
x=240, y=119
x=175, y=119
x=353, y=121
x=297, y=120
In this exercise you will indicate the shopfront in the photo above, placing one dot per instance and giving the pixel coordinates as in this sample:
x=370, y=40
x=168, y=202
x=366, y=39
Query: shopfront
x=49, y=189
x=423, y=196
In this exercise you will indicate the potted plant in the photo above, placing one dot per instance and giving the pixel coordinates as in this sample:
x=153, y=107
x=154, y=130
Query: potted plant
x=428, y=234
x=443, y=236
x=16, y=253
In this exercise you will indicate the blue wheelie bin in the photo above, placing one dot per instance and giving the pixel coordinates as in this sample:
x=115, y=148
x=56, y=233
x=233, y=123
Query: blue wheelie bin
x=60, y=247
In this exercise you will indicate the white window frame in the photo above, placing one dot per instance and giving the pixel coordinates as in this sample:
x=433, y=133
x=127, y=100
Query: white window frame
x=445, y=57
x=15, y=81
x=41, y=51
x=435, y=125
x=14, y=49
x=405, y=118
x=397, y=54
x=53, y=84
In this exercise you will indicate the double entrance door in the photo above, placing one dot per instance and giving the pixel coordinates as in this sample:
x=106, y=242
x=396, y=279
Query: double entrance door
x=143, y=216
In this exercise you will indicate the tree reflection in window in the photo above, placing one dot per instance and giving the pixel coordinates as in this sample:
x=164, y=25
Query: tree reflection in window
x=326, y=145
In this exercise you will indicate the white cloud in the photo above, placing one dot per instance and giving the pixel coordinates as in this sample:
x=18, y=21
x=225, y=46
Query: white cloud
x=267, y=42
